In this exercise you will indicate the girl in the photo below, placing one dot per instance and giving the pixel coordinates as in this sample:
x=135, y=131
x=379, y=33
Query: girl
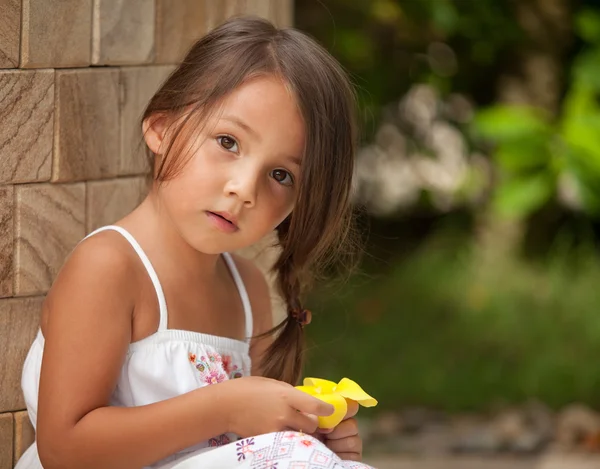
x=148, y=324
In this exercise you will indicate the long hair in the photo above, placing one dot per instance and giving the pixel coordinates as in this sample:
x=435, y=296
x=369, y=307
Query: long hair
x=318, y=228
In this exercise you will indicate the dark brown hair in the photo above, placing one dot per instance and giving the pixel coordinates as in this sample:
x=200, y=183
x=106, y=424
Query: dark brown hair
x=319, y=226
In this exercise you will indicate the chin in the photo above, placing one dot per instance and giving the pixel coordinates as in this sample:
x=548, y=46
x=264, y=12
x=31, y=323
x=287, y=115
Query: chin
x=210, y=248
x=214, y=246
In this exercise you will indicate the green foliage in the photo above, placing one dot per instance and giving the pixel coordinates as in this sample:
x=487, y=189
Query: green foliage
x=587, y=24
x=438, y=331
x=508, y=124
x=533, y=150
x=384, y=43
x=520, y=196
x=436, y=328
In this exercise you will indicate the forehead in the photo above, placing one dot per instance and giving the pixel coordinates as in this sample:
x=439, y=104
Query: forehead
x=269, y=107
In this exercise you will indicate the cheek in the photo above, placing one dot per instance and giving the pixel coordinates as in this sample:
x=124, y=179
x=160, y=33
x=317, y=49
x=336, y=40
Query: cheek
x=201, y=172
x=281, y=210
x=282, y=199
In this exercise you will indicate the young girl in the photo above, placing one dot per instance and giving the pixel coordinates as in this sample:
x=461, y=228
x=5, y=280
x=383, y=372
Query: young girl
x=156, y=346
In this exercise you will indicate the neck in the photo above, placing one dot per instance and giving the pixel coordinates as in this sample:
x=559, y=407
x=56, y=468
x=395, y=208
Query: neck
x=153, y=228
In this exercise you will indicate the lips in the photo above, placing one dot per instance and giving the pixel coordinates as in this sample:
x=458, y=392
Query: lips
x=223, y=221
x=227, y=216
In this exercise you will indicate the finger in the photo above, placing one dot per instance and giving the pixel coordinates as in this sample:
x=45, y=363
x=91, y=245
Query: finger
x=304, y=423
x=345, y=429
x=325, y=431
x=308, y=404
x=351, y=444
x=317, y=436
x=350, y=456
x=352, y=409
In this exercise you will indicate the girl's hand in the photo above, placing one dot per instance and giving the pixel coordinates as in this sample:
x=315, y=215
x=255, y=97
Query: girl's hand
x=258, y=405
x=344, y=439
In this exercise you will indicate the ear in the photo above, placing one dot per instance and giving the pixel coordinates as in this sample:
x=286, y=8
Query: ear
x=155, y=129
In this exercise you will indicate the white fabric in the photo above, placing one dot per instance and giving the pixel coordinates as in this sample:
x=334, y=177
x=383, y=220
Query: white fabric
x=164, y=365
x=281, y=450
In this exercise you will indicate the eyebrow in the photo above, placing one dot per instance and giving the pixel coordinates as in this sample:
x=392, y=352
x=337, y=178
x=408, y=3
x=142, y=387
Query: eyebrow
x=294, y=159
x=241, y=124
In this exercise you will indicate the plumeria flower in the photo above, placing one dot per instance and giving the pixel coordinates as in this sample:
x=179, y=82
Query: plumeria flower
x=337, y=395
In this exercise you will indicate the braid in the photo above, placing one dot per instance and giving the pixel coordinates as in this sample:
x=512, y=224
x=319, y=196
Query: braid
x=284, y=358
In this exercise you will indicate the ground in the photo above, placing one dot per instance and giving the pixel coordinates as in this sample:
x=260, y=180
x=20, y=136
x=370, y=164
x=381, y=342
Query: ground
x=545, y=462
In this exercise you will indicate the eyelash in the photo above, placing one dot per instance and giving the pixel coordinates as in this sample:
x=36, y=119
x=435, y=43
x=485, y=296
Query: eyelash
x=235, y=143
x=220, y=140
x=288, y=174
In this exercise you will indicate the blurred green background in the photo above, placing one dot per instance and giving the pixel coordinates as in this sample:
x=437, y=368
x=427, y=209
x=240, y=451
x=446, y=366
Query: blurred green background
x=478, y=181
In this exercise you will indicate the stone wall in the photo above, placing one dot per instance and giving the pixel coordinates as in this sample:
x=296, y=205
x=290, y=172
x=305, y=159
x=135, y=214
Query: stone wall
x=74, y=78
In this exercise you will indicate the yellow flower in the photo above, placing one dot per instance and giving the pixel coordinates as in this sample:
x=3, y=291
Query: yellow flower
x=337, y=395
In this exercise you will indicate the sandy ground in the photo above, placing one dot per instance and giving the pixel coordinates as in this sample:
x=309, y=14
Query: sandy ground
x=546, y=462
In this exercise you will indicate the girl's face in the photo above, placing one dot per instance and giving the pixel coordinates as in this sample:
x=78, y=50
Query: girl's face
x=242, y=178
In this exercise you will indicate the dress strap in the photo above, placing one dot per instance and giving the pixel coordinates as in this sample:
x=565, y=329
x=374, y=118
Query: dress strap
x=239, y=283
x=162, y=303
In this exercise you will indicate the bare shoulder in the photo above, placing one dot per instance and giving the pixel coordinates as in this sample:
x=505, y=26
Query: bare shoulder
x=258, y=292
x=100, y=264
x=87, y=325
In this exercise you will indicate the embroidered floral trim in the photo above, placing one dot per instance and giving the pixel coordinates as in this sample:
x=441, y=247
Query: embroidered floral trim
x=244, y=447
x=215, y=368
x=220, y=440
x=232, y=370
x=210, y=368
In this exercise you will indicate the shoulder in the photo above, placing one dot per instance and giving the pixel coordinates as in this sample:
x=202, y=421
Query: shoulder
x=102, y=263
x=106, y=252
x=258, y=291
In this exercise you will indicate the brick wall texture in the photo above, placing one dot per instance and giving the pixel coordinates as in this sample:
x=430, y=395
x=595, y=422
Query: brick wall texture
x=75, y=76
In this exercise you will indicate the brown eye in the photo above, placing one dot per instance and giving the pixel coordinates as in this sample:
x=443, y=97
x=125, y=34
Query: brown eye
x=282, y=177
x=228, y=143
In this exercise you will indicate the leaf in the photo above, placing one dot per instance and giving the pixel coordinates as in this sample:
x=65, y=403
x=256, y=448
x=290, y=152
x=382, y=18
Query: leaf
x=580, y=127
x=445, y=18
x=503, y=123
x=356, y=47
x=519, y=197
x=523, y=155
x=579, y=101
x=586, y=69
x=587, y=25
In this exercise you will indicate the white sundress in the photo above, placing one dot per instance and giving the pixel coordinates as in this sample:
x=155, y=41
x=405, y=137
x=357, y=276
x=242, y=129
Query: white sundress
x=172, y=362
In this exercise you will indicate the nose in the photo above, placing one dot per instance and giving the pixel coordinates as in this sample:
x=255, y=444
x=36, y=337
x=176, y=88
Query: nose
x=243, y=184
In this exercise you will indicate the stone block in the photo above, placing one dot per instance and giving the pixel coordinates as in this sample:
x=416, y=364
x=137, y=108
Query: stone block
x=50, y=221
x=10, y=33
x=179, y=23
x=24, y=434
x=109, y=201
x=235, y=7
x=282, y=13
x=216, y=13
x=6, y=441
x=56, y=33
x=260, y=8
x=123, y=32
x=19, y=322
x=6, y=240
x=279, y=12
x=138, y=85
x=27, y=117
x=86, y=134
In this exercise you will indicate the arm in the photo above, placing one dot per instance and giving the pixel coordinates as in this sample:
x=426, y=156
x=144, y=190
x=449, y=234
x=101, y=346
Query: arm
x=87, y=332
